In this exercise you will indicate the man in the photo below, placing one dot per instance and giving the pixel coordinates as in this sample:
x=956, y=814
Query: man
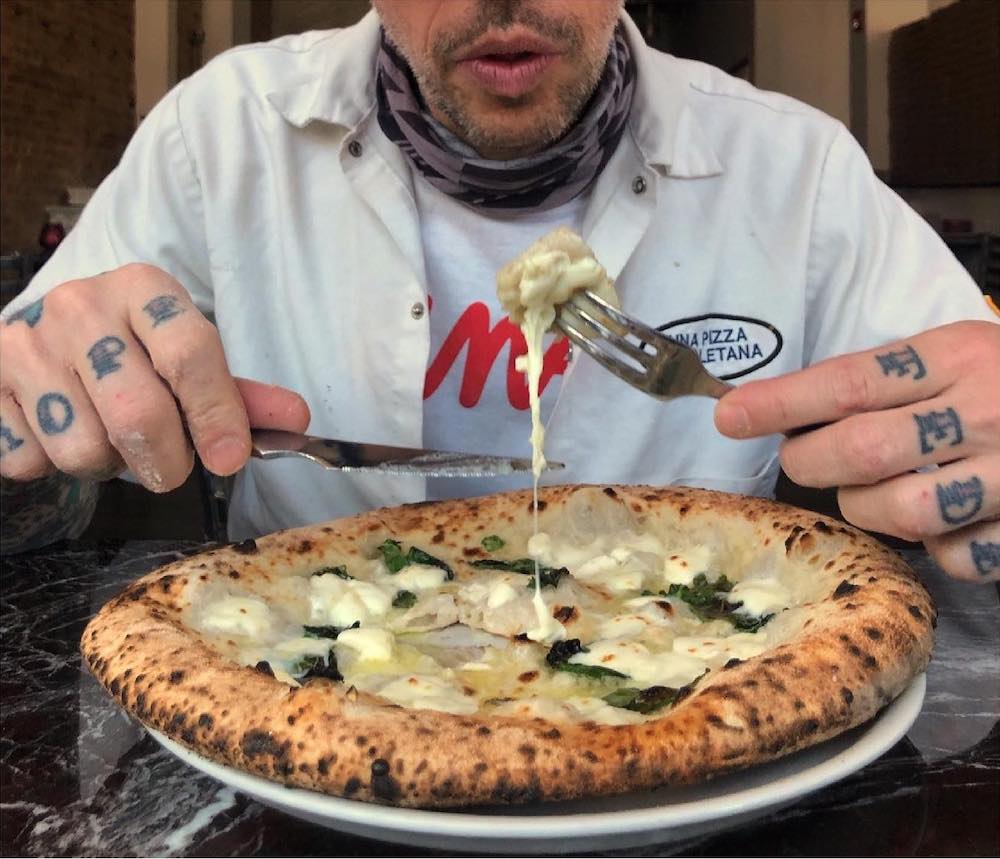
x=341, y=202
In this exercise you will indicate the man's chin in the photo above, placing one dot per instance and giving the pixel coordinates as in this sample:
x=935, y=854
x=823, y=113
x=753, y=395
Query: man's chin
x=510, y=134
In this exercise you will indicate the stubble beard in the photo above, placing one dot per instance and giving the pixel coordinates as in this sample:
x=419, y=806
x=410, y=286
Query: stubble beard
x=550, y=123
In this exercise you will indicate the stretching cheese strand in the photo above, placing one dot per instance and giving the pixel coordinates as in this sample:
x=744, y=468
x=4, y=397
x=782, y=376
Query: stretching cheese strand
x=530, y=287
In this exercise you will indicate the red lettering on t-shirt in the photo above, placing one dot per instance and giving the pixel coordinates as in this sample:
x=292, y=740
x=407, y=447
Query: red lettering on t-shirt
x=472, y=330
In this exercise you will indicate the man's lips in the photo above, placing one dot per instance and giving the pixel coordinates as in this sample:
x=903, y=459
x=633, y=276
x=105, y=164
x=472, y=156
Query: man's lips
x=508, y=66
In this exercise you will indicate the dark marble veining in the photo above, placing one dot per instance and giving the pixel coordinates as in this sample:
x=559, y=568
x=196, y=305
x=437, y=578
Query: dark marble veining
x=79, y=778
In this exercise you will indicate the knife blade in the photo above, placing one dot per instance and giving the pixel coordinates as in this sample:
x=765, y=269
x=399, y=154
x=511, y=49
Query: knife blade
x=356, y=456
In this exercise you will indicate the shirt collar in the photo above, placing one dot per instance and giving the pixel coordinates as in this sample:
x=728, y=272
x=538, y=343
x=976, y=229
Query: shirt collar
x=341, y=91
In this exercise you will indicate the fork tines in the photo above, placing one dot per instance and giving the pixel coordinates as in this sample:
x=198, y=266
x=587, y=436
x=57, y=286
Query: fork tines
x=590, y=323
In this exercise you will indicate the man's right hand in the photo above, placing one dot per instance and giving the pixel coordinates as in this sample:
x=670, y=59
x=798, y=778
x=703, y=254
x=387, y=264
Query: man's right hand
x=122, y=370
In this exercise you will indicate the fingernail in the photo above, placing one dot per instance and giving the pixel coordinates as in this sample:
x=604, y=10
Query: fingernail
x=226, y=455
x=732, y=419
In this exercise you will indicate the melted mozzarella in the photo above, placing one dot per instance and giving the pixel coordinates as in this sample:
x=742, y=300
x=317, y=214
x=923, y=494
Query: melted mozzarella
x=529, y=288
x=370, y=644
x=761, y=596
x=428, y=692
x=634, y=659
x=235, y=615
x=741, y=645
x=342, y=602
x=500, y=593
x=549, y=629
x=419, y=577
x=680, y=568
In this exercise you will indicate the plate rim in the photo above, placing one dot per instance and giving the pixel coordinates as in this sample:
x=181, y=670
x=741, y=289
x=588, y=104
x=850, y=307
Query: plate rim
x=878, y=736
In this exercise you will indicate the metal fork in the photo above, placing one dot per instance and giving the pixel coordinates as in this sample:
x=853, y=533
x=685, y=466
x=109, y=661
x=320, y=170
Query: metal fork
x=657, y=365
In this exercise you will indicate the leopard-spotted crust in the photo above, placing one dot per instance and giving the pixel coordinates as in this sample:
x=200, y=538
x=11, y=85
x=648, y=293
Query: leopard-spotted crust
x=857, y=650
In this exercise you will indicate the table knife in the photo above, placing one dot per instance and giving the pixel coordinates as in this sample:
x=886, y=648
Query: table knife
x=356, y=456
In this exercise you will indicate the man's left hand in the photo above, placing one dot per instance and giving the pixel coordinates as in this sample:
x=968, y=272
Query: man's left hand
x=909, y=432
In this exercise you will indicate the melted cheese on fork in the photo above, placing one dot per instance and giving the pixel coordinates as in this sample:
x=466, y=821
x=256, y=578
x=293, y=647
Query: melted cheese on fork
x=530, y=288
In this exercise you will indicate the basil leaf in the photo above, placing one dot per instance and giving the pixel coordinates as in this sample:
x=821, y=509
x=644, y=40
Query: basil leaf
x=560, y=653
x=419, y=556
x=642, y=700
x=525, y=566
x=563, y=650
x=340, y=571
x=596, y=672
x=707, y=603
x=548, y=576
x=395, y=560
x=327, y=631
x=491, y=542
x=320, y=631
x=315, y=666
x=404, y=599
x=748, y=622
x=392, y=554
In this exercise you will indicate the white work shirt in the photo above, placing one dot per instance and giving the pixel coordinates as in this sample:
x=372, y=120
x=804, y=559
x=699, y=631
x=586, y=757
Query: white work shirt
x=741, y=219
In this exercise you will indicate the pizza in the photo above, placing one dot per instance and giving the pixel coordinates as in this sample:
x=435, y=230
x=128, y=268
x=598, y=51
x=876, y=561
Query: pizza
x=396, y=656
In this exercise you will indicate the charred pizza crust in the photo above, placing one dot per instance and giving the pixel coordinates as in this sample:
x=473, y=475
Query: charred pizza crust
x=858, y=648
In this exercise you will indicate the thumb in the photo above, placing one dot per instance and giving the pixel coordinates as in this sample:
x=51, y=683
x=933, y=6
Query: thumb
x=272, y=407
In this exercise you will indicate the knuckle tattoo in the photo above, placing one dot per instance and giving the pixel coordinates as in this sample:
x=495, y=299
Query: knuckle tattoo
x=902, y=362
x=9, y=440
x=54, y=412
x=939, y=429
x=163, y=308
x=104, y=355
x=960, y=500
x=985, y=557
x=30, y=315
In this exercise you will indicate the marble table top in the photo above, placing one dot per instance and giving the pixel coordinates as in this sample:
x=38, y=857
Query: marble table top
x=78, y=777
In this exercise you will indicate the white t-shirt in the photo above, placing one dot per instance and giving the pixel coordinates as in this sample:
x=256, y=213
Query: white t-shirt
x=474, y=399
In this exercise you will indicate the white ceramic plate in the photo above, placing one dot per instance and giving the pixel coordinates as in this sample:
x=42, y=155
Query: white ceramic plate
x=652, y=817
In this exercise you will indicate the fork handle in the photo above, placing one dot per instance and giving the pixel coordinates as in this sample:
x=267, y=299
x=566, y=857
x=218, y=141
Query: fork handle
x=709, y=386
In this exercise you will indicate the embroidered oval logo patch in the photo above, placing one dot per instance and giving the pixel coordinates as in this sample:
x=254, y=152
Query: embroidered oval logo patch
x=729, y=346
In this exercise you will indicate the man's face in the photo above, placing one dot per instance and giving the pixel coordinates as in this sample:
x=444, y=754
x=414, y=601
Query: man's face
x=507, y=76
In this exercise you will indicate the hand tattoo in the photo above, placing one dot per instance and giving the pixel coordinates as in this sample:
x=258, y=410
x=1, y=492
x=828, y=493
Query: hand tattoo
x=986, y=557
x=960, y=500
x=30, y=314
x=103, y=354
x=11, y=441
x=935, y=427
x=162, y=308
x=901, y=363
x=55, y=413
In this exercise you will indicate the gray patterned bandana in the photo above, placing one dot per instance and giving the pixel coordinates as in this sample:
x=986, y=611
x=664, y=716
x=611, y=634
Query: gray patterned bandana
x=554, y=176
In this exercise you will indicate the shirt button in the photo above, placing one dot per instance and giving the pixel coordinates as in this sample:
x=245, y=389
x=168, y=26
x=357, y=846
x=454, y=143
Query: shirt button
x=355, y=148
x=417, y=311
x=638, y=185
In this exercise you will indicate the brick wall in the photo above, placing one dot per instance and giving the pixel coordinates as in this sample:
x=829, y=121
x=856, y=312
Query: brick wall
x=67, y=99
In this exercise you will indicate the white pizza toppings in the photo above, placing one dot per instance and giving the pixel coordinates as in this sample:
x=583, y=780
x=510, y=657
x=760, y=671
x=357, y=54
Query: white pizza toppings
x=238, y=615
x=342, y=602
x=761, y=596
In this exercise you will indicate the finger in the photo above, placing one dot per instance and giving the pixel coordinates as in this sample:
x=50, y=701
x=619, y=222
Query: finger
x=273, y=407
x=971, y=553
x=136, y=407
x=61, y=416
x=186, y=352
x=867, y=448
x=922, y=505
x=865, y=381
x=21, y=456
